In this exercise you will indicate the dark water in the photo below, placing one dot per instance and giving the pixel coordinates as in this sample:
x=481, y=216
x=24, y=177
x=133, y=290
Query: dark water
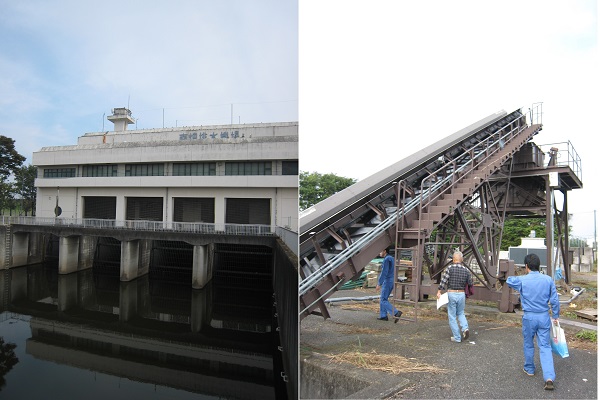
x=89, y=336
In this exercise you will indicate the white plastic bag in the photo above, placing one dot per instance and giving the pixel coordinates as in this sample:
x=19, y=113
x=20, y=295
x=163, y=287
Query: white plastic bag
x=558, y=341
x=443, y=300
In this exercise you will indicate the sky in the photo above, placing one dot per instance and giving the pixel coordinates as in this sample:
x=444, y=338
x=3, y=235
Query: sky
x=65, y=64
x=370, y=82
x=381, y=80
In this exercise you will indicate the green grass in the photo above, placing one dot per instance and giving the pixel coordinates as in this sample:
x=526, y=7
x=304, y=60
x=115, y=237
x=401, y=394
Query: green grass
x=570, y=315
x=584, y=334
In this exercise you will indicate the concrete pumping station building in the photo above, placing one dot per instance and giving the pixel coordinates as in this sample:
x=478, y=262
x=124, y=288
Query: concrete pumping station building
x=244, y=174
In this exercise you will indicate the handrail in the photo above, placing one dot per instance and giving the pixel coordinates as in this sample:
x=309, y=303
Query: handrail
x=566, y=155
x=140, y=225
x=458, y=173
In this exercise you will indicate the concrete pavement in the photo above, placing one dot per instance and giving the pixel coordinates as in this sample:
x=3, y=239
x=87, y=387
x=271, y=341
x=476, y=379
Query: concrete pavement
x=487, y=366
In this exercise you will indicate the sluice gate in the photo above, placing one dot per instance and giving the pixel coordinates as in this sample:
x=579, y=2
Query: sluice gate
x=455, y=193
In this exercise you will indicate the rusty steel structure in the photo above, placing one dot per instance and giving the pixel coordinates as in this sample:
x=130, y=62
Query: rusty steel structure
x=455, y=193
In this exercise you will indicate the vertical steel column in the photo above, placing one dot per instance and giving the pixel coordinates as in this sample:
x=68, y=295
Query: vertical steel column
x=566, y=258
x=549, y=227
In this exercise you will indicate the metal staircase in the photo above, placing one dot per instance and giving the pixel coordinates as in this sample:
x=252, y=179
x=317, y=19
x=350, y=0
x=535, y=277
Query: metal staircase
x=403, y=212
x=441, y=195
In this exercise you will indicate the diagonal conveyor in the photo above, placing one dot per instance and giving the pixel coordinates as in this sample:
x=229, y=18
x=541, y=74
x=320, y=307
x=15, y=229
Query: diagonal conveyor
x=342, y=234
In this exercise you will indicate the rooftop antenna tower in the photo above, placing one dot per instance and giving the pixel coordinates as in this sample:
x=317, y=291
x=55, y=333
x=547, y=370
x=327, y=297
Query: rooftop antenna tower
x=121, y=117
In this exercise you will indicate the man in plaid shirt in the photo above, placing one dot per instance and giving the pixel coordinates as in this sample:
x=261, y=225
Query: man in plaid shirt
x=455, y=278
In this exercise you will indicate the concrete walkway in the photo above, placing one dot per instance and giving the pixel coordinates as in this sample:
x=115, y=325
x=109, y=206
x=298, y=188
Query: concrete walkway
x=487, y=366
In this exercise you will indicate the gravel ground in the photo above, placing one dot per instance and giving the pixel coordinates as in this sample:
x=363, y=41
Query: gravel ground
x=487, y=366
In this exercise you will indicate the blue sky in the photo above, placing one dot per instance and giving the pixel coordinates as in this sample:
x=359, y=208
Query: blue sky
x=370, y=82
x=65, y=64
x=382, y=80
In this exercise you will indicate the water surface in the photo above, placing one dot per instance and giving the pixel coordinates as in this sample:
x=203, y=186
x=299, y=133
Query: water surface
x=87, y=335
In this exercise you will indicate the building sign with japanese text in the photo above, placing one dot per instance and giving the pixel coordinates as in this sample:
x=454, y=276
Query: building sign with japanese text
x=211, y=135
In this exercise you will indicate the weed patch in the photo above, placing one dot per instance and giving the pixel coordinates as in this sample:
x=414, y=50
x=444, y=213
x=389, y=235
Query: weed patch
x=393, y=364
x=582, y=340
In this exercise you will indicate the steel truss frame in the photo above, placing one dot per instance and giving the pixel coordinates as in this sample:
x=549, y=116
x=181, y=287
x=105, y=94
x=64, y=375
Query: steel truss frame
x=476, y=228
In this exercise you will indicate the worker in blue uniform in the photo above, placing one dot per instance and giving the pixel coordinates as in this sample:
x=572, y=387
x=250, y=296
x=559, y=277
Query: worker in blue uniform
x=536, y=292
x=385, y=283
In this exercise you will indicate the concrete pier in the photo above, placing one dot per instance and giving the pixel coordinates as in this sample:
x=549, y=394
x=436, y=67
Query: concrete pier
x=68, y=292
x=202, y=266
x=130, y=260
x=20, y=249
x=68, y=254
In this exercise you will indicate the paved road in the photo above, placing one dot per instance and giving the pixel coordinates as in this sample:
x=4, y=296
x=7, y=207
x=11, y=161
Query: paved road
x=489, y=366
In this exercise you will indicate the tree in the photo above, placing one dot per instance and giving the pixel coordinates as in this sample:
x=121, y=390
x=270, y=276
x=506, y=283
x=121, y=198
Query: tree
x=25, y=187
x=316, y=187
x=517, y=228
x=10, y=160
x=6, y=190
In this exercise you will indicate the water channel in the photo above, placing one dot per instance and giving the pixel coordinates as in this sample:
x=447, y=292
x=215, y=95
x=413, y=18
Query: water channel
x=88, y=335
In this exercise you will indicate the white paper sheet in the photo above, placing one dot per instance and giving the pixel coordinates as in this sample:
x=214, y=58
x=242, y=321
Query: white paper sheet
x=442, y=300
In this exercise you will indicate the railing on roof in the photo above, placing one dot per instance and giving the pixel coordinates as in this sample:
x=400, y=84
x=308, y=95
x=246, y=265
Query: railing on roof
x=150, y=226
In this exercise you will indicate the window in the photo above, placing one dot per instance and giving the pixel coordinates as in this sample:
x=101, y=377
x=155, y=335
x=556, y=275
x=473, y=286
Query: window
x=289, y=167
x=99, y=170
x=144, y=169
x=59, y=172
x=248, y=168
x=194, y=169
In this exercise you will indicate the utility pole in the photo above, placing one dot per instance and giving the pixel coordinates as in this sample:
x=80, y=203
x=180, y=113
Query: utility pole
x=595, y=244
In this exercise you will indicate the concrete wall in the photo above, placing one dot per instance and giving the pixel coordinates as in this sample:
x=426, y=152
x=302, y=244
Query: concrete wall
x=22, y=248
x=161, y=145
x=583, y=259
x=284, y=201
x=286, y=208
x=201, y=134
x=285, y=276
x=67, y=201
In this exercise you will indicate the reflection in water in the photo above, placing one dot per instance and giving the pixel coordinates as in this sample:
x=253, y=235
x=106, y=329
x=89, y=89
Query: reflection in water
x=145, y=331
x=8, y=359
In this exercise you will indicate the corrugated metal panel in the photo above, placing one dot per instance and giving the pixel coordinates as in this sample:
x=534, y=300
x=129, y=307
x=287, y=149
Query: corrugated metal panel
x=248, y=211
x=188, y=209
x=101, y=207
x=145, y=208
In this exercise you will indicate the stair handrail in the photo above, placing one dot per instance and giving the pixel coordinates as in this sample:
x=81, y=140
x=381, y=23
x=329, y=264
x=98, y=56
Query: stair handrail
x=463, y=170
x=352, y=249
